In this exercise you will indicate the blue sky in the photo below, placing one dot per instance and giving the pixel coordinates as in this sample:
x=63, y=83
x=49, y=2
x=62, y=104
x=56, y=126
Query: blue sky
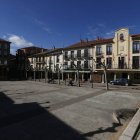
x=48, y=23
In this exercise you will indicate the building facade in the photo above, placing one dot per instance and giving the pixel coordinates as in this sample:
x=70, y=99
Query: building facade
x=4, y=57
x=50, y=61
x=22, y=62
x=120, y=55
x=78, y=60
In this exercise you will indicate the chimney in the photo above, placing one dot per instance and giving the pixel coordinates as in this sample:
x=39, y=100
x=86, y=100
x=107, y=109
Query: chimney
x=82, y=41
x=87, y=40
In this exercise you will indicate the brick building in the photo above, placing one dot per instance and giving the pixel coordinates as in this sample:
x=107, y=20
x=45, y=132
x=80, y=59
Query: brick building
x=4, y=57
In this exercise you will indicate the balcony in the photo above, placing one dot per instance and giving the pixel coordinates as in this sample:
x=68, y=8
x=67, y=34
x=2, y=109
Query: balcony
x=50, y=62
x=136, y=51
x=69, y=67
x=72, y=56
x=40, y=61
x=135, y=66
x=87, y=56
x=99, y=54
x=66, y=57
x=108, y=53
x=79, y=57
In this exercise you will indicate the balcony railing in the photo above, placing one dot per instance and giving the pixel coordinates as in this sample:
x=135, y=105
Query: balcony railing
x=81, y=68
x=72, y=56
x=117, y=66
x=86, y=56
x=99, y=54
x=108, y=53
x=78, y=57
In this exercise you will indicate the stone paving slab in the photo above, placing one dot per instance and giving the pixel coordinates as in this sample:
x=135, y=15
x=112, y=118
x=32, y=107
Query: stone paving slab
x=67, y=113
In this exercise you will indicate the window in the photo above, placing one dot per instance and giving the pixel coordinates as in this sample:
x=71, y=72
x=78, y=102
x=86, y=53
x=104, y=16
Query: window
x=121, y=37
x=57, y=58
x=66, y=55
x=86, y=64
x=85, y=52
x=79, y=53
x=57, y=67
x=98, y=65
x=98, y=50
x=72, y=54
x=78, y=64
x=50, y=60
x=109, y=62
x=136, y=60
x=72, y=65
x=65, y=65
x=43, y=59
x=109, y=49
x=136, y=47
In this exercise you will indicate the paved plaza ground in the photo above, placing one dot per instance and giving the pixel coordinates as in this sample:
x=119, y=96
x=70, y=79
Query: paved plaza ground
x=39, y=111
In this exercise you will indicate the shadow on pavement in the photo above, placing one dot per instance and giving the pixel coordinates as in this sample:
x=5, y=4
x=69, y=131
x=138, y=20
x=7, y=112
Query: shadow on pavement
x=29, y=121
x=111, y=129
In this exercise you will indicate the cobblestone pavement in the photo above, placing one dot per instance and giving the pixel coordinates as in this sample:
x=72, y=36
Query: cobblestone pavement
x=40, y=111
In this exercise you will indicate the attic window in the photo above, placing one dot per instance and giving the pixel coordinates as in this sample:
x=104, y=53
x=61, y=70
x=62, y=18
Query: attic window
x=122, y=37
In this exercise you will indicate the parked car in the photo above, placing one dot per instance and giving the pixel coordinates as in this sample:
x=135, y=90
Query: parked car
x=121, y=81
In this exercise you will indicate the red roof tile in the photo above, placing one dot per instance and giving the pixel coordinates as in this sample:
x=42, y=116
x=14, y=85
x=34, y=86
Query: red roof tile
x=83, y=44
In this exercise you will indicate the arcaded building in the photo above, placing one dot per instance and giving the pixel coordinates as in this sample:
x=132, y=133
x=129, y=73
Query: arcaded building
x=120, y=54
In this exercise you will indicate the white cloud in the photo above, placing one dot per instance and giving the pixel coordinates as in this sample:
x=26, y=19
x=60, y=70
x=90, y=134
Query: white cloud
x=39, y=22
x=110, y=33
x=47, y=30
x=17, y=42
x=43, y=26
x=99, y=30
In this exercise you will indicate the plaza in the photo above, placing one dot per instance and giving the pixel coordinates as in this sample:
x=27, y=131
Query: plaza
x=40, y=111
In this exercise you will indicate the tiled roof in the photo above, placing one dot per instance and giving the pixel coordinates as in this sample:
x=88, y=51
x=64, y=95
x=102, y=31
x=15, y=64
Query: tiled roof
x=48, y=52
x=83, y=44
x=2, y=40
x=32, y=47
x=135, y=35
